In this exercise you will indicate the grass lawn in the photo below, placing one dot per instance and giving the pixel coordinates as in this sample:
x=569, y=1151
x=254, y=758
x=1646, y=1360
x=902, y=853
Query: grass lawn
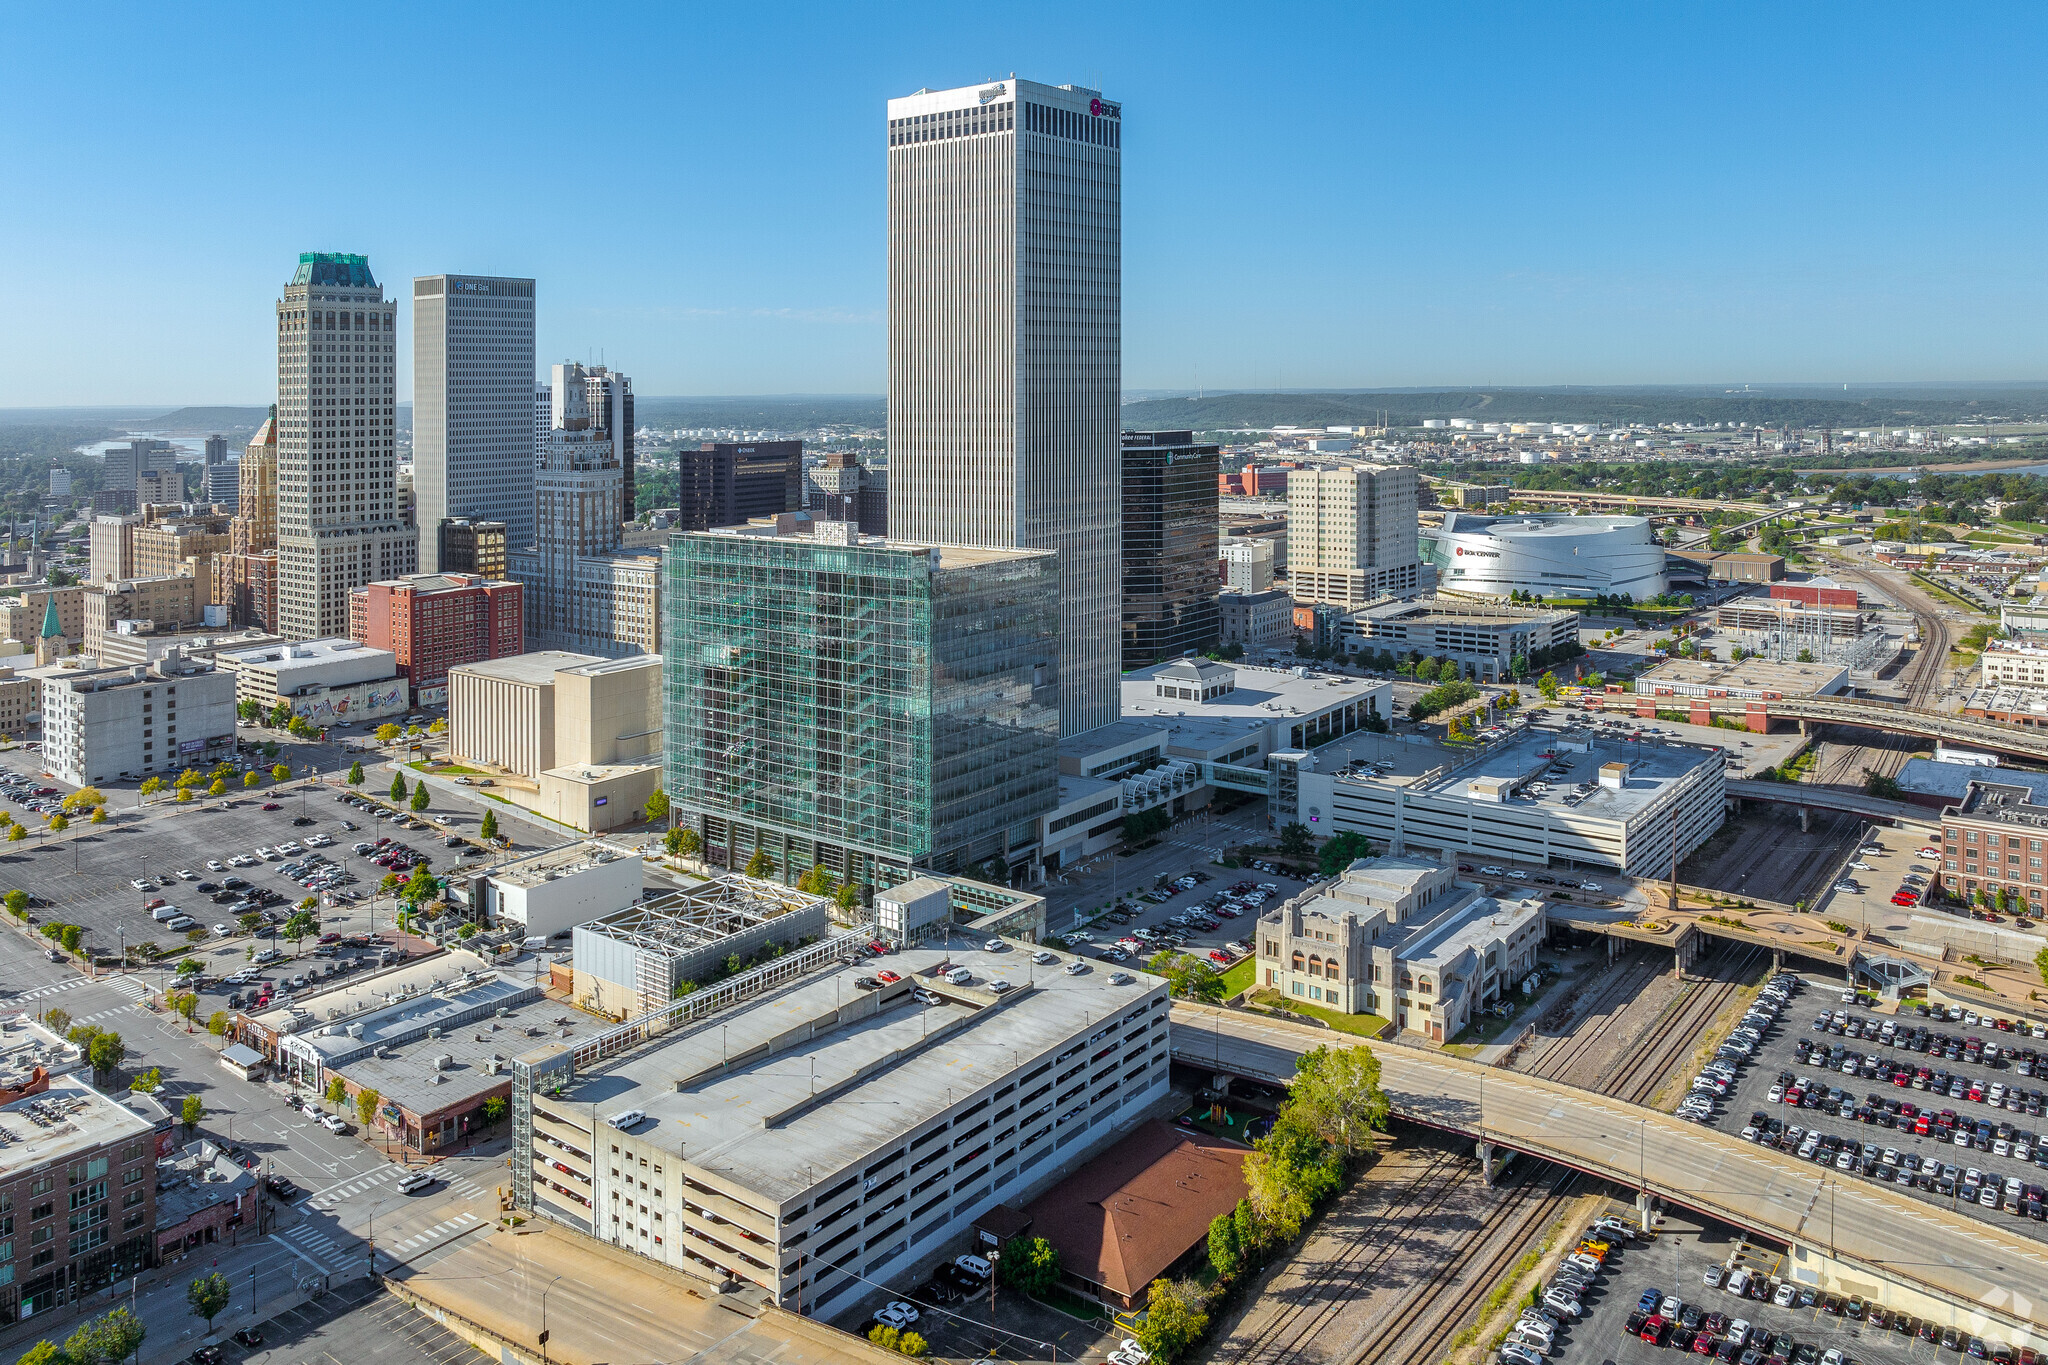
x=443, y=770
x=1240, y=976
x=1363, y=1025
x=1490, y=1028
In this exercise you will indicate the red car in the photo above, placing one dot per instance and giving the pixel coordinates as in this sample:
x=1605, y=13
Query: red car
x=887, y=978
x=153, y=904
x=878, y=947
x=1219, y=957
x=272, y=805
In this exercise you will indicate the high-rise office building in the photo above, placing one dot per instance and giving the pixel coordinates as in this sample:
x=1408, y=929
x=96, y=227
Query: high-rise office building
x=434, y=622
x=609, y=396
x=1005, y=345
x=124, y=464
x=472, y=414
x=216, y=449
x=578, y=493
x=255, y=527
x=338, y=525
x=1169, y=546
x=473, y=546
x=1351, y=534
x=866, y=706
x=221, y=485
x=727, y=483
x=844, y=489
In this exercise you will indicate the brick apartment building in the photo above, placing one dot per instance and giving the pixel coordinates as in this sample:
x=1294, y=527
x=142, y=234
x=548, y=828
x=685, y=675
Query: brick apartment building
x=435, y=622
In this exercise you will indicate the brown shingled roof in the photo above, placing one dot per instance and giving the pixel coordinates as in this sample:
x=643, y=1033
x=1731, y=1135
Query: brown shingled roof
x=1125, y=1217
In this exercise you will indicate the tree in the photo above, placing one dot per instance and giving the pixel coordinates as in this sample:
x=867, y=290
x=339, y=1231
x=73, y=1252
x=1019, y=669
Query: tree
x=298, y=926
x=1031, y=1264
x=390, y=883
x=98, y=816
x=105, y=1340
x=43, y=1353
x=217, y=1024
x=1336, y=1094
x=366, y=1106
x=248, y=709
x=2041, y=965
x=337, y=1090
x=151, y=786
x=208, y=1297
x=1174, y=1320
x=1188, y=977
x=70, y=935
x=190, y=1112
x=280, y=715
x=1548, y=685
x=16, y=903
x=148, y=1082
x=355, y=773
x=847, y=897
x=184, y=1002
x=1289, y=1170
x=439, y=726
x=281, y=773
x=250, y=781
x=495, y=1109
x=489, y=828
x=16, y=833
x=1226, y=1252
x=398, y=787
x=388, y=732
x=106, y=1055
x=58, y=1021
x=421, y=798
x=1295, y=840
x=189, y=967
x=912, y=1344
x=657, y=807
x=85, y=798
x=817, y=880
x=1806, y=656
x=1343, y=850
x=219, y=787
x=760, y=865
x=422, y=886
x=58, y=824
x=1426, y=671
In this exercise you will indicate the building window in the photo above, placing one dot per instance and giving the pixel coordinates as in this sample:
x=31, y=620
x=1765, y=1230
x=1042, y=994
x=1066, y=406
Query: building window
x=1297, y=988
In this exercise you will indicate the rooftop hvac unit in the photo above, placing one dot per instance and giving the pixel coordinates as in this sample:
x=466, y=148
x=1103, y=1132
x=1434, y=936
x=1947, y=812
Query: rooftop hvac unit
x=504, y=1011
x=434, y=1031
x=355, y=1030
x=442, y=1061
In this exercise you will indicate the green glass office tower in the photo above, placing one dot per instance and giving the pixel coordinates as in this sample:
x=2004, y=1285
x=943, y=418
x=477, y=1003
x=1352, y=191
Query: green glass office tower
x=871, y=707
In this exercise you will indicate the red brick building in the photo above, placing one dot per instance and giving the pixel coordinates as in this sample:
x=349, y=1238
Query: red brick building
x=1844, y=598
x=434, y=622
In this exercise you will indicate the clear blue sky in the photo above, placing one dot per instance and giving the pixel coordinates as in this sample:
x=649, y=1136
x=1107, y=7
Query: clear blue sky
x=1344, y=195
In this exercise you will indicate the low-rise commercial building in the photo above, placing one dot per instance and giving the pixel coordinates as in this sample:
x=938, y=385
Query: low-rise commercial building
x=1992, y=842
x=586, y=729
x=326, y=681
x=633, y=958
x=1402, y=938
x=78, y=1186
x=1604, y=803
x=1733, y=566
x=2008, y=704
x=20, y=701
x=203, y=1196
x=1252, y=619
x=1487, y=642
x=124, y=724
x=137, y=642
x=545, y=894
x=1775, y=617
x=2021, y=663
x=170, y=600
x=821, y=1138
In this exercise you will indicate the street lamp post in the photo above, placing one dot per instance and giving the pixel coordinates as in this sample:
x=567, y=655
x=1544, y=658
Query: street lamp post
x=544, y=1318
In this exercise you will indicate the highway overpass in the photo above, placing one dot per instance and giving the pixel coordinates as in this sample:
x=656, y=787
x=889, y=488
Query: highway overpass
x=1849, y=1235
x=1808, y=797
x=1889, y=717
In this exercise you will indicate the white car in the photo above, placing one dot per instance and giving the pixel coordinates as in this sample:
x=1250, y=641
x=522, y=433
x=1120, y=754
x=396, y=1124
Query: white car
x=1121, y=978
x=1591, y=886
x=1519, y=875
x=1075, y=968
x=1492, y=871
x=141, y=885
x=1044, y=959
x=215, y=865
x=908, y=1311
x=994, y=945
x=222, y=930
x=1130, y=1353
x=332, y=1123
x=1928, y=852
x=1859, y=866
x=186, y=874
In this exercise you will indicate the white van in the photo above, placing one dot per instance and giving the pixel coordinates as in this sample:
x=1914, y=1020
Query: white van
x=180, y=924
x=627, y=1119
x=163, y=914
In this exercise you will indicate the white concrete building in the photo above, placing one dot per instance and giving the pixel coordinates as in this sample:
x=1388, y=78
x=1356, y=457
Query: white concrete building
x=1254, y=618
x=125, y=724
x=1247, y=563
x=339, y=525
x=1552, y=556
x=1351, y=534
x=550, y=892
x=1006, y=346
x=326, y=681
x=2017, y=662
x=818, y=1139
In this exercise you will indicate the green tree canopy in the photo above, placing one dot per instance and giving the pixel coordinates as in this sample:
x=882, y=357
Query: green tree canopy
x=208, y=1297
x=657, y=807
x=190, y=1111
x=355, y=773
x=421, y=799
x=1031, y=1264
x=760, y=865
x=1186, y=976
x=1341, y=851
x=398, y=787
x=1174, y=1320
x=489, y=828
x=1295, y=840
x=1336, y=1094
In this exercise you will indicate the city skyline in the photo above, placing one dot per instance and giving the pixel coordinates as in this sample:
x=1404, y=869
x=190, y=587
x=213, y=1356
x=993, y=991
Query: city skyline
x=1624, y=198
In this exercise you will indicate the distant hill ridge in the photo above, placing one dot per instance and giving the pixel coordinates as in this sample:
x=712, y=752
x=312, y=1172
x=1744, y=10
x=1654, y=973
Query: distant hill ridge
x=204, y=421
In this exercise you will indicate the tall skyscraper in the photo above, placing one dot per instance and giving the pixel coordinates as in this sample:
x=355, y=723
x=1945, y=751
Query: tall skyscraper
x=256, y=495
x=1169, y=546
x=578, y=492
x=725, y=483
x=338, y=525
x=472, y=414
x=1005, y=345
x=216, y=449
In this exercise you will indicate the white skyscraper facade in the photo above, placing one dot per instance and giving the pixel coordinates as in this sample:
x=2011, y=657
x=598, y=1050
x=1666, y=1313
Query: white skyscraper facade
x=472, y=417
x=338, y=523
x=1005, y=346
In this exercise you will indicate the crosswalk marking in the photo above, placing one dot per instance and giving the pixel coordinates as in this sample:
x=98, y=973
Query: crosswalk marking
x=134, y=987
x=311, y=1245
x=39, y=992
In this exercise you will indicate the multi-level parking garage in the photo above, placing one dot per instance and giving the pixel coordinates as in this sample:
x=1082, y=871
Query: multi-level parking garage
x=1552, y=556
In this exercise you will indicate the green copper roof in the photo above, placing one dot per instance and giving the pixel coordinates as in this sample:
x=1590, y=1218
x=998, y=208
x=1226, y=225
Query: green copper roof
x=336, y=268
x=51, y=630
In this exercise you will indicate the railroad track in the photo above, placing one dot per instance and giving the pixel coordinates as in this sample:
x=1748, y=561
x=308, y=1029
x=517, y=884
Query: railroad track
x=1459, y=1286
x=1358, y=1265
x=1923, y=678
x=1676, y=1034
x=1612, y=1002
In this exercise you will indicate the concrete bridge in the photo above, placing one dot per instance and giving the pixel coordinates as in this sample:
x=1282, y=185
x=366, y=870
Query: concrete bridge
x=1847, y=1235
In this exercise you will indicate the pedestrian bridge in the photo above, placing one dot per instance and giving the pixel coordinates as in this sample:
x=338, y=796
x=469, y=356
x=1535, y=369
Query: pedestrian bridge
x=1809, y=797
x=1849, y=1234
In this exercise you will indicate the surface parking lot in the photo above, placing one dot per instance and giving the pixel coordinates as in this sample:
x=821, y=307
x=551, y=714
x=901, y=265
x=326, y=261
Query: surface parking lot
x=1676, y=1263
x=1212, y=887
x=1866, y=1104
